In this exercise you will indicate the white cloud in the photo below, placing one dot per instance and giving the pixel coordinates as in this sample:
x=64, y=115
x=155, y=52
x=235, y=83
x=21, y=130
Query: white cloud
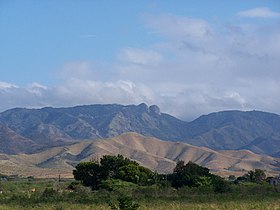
x=197, y=69
x=36, y=88
x=260, y=12
x=5, y=85
x=75, y=92
x=175, y=26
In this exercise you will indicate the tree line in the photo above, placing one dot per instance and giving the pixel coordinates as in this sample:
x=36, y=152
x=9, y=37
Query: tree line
x=115, y=169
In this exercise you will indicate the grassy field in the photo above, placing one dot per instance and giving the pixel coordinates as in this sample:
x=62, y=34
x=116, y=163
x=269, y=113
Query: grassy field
x=50, y=194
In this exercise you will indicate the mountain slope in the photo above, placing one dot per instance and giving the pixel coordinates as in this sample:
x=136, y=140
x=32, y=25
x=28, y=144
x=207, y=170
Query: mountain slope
x=228, y=130
x=150, y=152
x=54, y=125
x=232, y=130
x=12, y=143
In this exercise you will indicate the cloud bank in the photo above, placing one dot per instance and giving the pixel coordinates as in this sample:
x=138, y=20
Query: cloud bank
x=198, y=67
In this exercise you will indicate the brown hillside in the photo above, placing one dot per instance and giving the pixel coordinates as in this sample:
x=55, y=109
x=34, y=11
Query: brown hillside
x=150, y=152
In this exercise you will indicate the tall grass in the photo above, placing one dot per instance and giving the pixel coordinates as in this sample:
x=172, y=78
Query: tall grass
x=50, y=194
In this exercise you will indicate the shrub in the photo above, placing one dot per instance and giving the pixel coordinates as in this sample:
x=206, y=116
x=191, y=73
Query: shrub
x=116, y=185
x=50, y=193
x=124, y=203
x=220, y=185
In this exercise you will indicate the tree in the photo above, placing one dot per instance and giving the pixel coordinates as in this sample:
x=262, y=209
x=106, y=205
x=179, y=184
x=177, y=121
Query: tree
x=111, y=164
x=129, y=173
x=113, y=167
x=256, y=176
x=90, y=173
x=219, y=184
x=231, y=178
x=189, y=174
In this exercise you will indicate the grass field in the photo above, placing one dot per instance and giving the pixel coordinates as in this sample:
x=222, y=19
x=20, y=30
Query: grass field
x=49, y=194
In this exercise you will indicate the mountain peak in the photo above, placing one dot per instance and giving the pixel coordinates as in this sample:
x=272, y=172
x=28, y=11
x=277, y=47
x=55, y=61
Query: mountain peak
x=143, y=107
x=154, y=109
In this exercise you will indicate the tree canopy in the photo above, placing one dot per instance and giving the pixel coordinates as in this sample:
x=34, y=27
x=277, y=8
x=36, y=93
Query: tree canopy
x=113, y=167
x=189, y=174
x=114, y=171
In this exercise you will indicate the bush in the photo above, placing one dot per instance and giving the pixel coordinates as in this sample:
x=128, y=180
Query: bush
x=220, y=185
x=116, y=185
x=124, y=203
x=50, y=193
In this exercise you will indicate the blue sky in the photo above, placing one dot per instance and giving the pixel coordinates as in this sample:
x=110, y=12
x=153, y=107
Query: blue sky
x=188, y=57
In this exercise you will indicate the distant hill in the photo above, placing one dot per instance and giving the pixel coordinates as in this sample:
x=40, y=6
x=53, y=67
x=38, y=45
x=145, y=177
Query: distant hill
x=227, y=130
x=148, y=151
x=233, y=130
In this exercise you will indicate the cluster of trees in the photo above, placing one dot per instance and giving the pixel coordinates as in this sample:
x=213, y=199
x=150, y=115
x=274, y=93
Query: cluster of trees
x=112, y=169
x=255, y=176
x=189, y=174
x=94, y=174
x=193, y=175
x=115, y=170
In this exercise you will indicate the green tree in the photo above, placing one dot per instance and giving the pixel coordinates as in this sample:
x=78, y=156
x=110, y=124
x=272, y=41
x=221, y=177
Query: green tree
x=219, y=184
x=90, y=173
x=113, y=167
x=129, y=173
x=111, y=164
x=189, y=174
x=256, y=176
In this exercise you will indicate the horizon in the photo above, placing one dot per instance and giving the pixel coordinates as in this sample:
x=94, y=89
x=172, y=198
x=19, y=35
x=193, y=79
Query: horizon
x=187, y=58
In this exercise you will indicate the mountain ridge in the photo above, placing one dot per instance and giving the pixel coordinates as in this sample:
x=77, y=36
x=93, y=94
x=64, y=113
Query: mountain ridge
x=226, y=130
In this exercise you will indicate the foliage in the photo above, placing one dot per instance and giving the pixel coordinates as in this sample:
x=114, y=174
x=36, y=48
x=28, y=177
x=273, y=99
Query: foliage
x=116, y=185
x=49, y=192
x=189, y=174
x=231, y=178
x=249, y=195
x=111, y=164
x=119, y=174
x=255, y=176
x=112, y=167
x=124, y=203
x=90, y=173
x=220, y=185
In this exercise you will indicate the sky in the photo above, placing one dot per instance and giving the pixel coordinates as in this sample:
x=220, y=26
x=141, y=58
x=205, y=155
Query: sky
x=189, y=57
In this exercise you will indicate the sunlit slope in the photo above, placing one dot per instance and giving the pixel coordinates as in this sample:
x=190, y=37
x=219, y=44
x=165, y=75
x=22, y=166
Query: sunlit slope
x=150, y=152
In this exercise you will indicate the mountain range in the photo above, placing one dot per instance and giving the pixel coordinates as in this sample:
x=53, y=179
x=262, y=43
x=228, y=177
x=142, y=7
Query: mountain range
x=148, y=151
x=27, y=132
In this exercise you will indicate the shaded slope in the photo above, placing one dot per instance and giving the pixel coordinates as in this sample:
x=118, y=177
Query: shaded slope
x=53, y=126
x=12, y=143
x=234, y=130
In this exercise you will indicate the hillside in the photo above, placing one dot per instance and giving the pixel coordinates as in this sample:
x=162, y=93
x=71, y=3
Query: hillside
x=59, y=126
x=13, y=143
x=150, y=152
x=37, y=129
x=234, y=130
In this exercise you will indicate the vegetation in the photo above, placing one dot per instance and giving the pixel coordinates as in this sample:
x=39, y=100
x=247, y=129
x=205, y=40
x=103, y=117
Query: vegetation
x=113, y=184
x=95, y=174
